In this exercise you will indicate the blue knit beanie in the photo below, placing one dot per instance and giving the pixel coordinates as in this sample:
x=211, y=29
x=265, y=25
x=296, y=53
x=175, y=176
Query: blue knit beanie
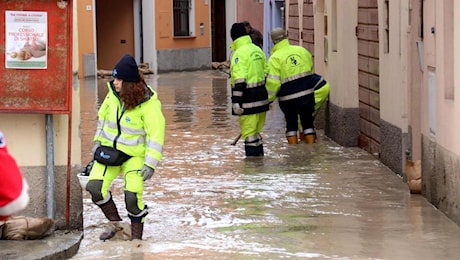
x=126, y=69
x=237, y=31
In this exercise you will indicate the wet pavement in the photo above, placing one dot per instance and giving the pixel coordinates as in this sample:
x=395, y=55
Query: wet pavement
x=207, y=201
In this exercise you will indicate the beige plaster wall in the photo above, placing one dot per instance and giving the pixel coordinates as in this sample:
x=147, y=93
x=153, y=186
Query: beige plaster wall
x=393, y=65
x=448, y=109
x=415, y=81
x=318, y=16
x=454, y=122
x=429, y=62
x=341, y=70
x=441, y=145
x=26, y=136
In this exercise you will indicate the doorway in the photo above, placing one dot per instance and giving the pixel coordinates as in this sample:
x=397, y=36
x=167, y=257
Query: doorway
x=218, y=31
x=114, y=32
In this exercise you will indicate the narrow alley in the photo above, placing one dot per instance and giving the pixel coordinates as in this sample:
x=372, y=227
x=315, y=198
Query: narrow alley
x=206, y=201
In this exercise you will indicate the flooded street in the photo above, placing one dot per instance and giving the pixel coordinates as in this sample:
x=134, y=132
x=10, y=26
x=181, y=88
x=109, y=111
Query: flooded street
x=207, y=201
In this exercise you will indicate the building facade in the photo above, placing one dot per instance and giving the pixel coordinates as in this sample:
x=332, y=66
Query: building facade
x=393, y=82
x=171, y=35
x=166, y=35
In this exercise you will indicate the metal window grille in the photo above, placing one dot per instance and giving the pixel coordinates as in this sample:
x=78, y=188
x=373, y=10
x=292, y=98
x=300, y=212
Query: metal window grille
x=181, y=9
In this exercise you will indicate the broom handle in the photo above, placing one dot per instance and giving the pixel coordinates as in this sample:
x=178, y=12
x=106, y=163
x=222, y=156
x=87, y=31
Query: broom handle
x=236, y=140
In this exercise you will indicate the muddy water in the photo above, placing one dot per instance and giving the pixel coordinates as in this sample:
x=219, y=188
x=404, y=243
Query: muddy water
x=207, y=201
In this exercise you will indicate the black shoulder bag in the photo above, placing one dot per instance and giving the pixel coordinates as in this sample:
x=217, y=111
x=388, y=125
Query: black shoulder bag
x=110, y=156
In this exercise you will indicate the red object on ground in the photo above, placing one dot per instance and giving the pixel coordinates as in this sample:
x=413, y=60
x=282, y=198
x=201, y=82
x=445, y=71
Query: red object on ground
x=14, y=194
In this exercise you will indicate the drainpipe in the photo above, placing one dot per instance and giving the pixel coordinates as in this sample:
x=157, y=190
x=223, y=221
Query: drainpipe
x=69, y=168
x=50, y=203
x=282, y=17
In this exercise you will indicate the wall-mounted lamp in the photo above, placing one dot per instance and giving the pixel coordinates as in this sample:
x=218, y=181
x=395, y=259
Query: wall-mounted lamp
x=201, y=29
x=62, y=4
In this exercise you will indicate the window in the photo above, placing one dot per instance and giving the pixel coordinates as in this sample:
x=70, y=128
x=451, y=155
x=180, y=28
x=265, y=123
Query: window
x=386, y=27
x=183, y=17
x=333, y=26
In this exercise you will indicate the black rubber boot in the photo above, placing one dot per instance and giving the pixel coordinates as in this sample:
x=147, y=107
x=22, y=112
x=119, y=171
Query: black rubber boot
x=261, y=149
x=251, y=150
x=137, y=229
x=110, y=210
x=254, y=150
x=111, y=213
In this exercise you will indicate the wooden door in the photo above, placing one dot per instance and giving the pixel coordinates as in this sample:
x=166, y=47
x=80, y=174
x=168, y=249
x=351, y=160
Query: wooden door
x=218, y=31
x=368, y=66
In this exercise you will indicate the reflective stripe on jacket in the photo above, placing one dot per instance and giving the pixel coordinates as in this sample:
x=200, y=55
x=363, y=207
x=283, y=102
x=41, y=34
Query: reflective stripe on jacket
x=137, y=132
x=247, y=76
x=289, y=68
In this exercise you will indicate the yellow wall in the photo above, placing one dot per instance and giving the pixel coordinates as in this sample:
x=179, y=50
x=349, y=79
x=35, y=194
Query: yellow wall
x=85, y=20
x=164, y=27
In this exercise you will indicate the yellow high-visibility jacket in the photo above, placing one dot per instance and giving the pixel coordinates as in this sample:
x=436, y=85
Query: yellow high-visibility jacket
x=289, y=68
x=247, y=76
x=138, y=132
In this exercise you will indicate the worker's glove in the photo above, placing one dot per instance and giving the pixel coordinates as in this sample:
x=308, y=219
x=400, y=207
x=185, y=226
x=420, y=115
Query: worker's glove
x=96, y=145
x=147, y=172
x=237, y=109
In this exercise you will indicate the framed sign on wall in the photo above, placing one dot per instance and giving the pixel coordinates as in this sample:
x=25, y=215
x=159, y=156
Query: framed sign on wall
x=35, y=65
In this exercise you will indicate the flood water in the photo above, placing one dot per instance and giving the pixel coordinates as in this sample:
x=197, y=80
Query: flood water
x=207, y=201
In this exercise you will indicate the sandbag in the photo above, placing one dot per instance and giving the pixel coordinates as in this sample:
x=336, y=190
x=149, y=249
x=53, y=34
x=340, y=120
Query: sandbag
x=414, y=176
x=2, y=223
x=27, y=228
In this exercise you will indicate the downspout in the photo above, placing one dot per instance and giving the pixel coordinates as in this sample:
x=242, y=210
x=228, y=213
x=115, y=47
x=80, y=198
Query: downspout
x=141, y=29
x=283, y=18
x=69, y=123
x=69, y=170
x=50, y=203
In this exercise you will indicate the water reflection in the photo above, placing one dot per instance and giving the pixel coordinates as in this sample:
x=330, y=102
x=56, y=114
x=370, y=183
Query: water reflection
x=198, y=101
x=220, y=98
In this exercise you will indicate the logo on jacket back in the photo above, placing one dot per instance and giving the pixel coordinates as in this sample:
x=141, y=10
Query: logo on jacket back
x=293, y=60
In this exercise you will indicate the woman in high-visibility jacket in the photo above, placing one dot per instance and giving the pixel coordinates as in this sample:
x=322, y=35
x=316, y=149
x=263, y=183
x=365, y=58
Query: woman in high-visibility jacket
x=290, y=69
x=129, y=139
x=249, y=95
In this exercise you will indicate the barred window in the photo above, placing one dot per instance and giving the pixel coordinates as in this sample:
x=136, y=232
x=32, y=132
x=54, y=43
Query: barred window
x=182, y=9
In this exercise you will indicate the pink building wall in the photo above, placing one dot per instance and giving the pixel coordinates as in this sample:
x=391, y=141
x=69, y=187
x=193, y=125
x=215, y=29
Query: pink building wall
x=252, y=11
